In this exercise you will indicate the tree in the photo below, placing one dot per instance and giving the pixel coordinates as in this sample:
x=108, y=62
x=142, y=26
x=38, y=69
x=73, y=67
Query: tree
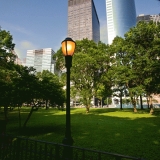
x=18, y=84
x=44, y=86
x=103, y=92
x=6, y=69
x=144, y=55
x=51, y=88
x=26, y=85
x=91, y=62
x=137, y=60
x=27, y=88
x=6, y=47
x=121, y=70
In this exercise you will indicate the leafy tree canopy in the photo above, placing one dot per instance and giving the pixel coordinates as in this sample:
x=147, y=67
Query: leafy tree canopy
x=90, y=64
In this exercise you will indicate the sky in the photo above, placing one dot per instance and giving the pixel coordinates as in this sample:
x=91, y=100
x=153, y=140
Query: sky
x=37, y=24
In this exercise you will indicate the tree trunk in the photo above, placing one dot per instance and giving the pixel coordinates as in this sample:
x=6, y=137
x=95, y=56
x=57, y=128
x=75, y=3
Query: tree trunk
x=134, y=104
x=87, y=109
x=6, y=113
x=107, y=102
x=101, y=102
x=151, y=105
x=46, y=104
x=121, y=101
x=148, y=101
x=19, y=117
x=135, y=109
x=29, y=115
x=141, y=102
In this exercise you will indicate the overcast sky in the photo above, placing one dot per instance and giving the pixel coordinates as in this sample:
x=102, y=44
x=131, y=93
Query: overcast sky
x=37, y=24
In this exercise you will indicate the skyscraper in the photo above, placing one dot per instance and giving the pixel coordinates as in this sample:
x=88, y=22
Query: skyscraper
x=121, y=16
x=83, y=20
x=41, y=59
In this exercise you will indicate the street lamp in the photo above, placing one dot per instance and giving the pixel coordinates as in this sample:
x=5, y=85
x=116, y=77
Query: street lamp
x=68, y=47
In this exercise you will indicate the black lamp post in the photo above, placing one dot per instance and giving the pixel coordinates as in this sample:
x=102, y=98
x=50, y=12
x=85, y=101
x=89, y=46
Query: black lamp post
x=68, y=47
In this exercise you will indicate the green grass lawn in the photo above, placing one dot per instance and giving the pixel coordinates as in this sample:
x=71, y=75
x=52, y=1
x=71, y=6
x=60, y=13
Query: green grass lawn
x=110, y=130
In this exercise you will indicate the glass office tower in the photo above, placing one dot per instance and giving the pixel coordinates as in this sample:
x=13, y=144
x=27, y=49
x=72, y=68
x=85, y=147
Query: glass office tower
x=41, y=59
x=121, y=16
x=83, y=20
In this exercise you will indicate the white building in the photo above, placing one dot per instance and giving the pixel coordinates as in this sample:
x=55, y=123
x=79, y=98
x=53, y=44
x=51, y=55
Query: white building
x=121, y=16
x=41, y=59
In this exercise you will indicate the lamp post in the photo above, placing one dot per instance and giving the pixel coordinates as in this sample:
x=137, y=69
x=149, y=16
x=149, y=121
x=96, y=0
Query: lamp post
x=68, y=47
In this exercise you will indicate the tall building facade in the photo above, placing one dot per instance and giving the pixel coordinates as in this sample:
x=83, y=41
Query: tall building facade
x=147, y=18
x=83, y=20
x=41, y=59
x=121, y=16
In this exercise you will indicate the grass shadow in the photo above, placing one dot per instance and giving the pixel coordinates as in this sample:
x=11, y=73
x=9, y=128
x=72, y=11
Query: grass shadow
x=110, y=130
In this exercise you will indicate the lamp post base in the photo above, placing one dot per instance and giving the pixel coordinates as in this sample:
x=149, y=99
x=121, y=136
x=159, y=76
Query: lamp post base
x=68, y=150
x=68, y=141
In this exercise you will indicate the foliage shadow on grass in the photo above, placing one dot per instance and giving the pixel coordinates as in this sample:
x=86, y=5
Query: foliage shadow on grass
x=119, y=135
x=131, y=136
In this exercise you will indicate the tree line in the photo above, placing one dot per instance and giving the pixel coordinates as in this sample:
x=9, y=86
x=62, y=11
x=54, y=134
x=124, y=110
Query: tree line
x=129, y=64
x=20, y=84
